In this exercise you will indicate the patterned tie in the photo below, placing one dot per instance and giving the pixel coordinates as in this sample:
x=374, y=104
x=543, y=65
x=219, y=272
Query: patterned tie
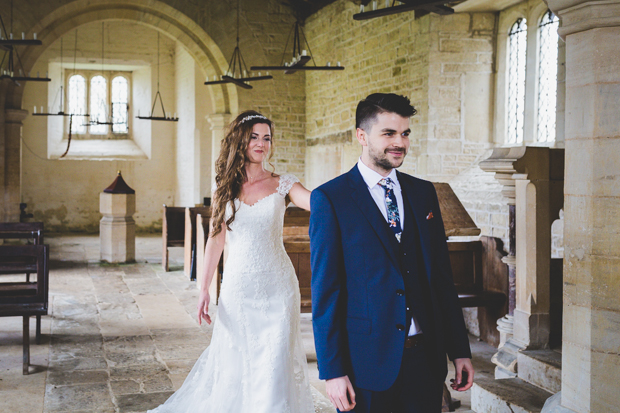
x=393, y=216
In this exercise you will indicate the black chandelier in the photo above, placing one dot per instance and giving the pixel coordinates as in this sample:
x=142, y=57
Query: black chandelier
x=14, y=69
x=237, y=72
x=165, y=117
x=427, y=6
x=300, y=56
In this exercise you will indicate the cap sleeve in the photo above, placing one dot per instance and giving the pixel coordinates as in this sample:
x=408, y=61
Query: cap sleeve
x=286, y=183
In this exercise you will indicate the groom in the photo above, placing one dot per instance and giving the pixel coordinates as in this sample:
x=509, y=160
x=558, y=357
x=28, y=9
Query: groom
x=384, y=307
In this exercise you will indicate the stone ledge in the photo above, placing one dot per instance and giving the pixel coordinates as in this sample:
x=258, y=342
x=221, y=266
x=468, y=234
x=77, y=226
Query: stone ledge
x=542, y=368
x=507, y=396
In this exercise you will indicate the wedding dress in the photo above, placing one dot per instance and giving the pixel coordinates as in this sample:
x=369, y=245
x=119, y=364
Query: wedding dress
x=255, y=362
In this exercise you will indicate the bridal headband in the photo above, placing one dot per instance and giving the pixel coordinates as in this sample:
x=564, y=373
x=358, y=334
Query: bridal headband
x=250, y=117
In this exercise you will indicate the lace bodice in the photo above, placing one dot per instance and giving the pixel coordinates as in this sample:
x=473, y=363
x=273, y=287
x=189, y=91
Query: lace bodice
x=256, y=232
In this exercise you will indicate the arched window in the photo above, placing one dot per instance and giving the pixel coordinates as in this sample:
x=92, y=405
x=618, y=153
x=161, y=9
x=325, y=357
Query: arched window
x=98, y=100
x=547, y=76
x=517, y=45
x=77, y=102
x=120, y=100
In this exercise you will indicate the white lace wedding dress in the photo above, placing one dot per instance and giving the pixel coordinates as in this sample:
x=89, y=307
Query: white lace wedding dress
x=255, y=362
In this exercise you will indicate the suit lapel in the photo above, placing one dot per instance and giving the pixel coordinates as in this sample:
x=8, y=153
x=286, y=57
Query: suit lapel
x=417, y=201
x=364, y=201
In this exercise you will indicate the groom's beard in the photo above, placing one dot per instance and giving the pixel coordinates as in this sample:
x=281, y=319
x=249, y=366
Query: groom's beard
x=382, y=160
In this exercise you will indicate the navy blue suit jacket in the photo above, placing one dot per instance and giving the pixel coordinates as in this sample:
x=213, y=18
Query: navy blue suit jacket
x=355, y=276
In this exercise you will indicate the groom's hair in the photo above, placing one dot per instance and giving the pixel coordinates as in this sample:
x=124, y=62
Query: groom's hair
x=373, y=105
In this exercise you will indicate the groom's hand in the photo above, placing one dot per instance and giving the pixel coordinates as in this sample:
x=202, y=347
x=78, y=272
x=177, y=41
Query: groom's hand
x=464, y=374
x=340, y=392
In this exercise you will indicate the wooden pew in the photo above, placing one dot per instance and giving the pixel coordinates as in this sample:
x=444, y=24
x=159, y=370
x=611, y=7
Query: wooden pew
x=172, y=231
x=190, y=251
x=202, y=234
x=32, y=231
x=297, y=246
x=25, y=298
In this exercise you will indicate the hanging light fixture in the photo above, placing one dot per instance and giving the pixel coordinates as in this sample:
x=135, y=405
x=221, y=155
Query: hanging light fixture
x=107, y=119
x=12, y=71
x=237, y=72
x=165, y=117
x=62, y=93
x=300, y=56
x=427, y=6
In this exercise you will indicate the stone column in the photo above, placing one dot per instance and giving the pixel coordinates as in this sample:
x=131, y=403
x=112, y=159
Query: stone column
x=532, y=180
x=591, y=326
x=12, y=163
x=219, y=122
x=117, y=229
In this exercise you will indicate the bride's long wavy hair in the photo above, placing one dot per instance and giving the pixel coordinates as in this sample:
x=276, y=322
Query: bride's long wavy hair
x=230, y=166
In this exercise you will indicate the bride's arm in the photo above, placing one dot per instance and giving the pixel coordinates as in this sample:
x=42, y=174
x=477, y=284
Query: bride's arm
x=213, y=251
x=300, y=196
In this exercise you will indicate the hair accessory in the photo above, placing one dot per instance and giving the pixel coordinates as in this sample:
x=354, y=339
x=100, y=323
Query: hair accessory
x=250, y=117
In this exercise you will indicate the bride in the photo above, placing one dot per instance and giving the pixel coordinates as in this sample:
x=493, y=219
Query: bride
x=255, y=362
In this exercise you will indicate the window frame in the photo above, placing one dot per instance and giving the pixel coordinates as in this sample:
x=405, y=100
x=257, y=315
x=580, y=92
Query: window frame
x=109, y=76
x=532, y=12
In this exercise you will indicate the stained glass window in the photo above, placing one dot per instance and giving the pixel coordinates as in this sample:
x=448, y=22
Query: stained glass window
x=98, y=107
x=547, y=76
x=517, y=44
x=120, y=96
x=77, y=102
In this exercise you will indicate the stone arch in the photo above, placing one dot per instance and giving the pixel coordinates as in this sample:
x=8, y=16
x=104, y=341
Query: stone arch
x=152, y=13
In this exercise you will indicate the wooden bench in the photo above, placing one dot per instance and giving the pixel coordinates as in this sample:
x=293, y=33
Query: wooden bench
x=173, y=231
x=190, y=251
x=32, y=231
x=467, y=270
x=25, y=298
x=202, y=234
x=297, y=246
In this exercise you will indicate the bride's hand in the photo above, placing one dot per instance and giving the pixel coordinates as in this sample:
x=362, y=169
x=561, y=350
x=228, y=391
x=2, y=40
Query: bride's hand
x=203, y=308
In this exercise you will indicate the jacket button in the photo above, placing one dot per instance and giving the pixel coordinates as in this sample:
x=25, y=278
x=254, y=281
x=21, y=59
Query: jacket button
x=400, y=293
x=404, y=253
x=400, y=327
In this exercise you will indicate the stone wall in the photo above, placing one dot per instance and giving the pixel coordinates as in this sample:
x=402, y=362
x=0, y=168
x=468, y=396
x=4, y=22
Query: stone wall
x=64, y=194
x=263, y=33
x=442, y=63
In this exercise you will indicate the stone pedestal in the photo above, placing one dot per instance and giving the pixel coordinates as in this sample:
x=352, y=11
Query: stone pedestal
x=117, y=229
x=591, y=323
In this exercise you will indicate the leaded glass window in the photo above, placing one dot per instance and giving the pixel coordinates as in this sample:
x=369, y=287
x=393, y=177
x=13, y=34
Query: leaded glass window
x=120, y=96
x=547, y=76
x=77, y=102
x=98, y=107
x=517, y=45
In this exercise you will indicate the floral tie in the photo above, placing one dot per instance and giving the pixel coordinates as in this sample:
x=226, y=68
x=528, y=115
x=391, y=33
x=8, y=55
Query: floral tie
x=393, y=217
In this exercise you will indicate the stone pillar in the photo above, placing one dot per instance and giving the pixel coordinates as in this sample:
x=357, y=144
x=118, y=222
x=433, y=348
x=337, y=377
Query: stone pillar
x=591, y=308
x=219, y=122
x=532, y=180
x=12, y=164
x=117, y=229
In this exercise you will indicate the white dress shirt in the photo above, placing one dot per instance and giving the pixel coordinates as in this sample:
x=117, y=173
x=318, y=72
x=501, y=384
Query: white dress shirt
x=377, y=192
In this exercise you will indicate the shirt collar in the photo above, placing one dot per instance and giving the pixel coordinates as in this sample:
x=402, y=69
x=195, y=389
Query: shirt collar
x=372, y=178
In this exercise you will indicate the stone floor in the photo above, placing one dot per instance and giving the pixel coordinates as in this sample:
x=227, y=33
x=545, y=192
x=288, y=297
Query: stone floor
x=121, y=338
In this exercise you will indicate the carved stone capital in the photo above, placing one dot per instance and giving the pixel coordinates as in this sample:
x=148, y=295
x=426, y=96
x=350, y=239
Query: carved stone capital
x=15, y=115
x=218, y=121
x=581, y=15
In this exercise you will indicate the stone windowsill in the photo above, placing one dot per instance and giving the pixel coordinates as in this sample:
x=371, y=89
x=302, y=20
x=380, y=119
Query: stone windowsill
x=98, y=150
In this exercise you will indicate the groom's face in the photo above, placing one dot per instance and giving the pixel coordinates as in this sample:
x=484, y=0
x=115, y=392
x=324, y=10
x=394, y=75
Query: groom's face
x=387, y=142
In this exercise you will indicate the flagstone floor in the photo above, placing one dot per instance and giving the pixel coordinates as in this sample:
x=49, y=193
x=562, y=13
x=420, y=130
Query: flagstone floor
x=121, y=338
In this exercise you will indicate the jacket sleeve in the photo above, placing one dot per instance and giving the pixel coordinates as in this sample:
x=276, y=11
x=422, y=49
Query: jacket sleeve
x=455, y=332
x=328, y=279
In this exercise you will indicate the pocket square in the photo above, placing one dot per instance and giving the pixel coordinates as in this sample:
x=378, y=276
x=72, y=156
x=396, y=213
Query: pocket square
x=430, y=215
